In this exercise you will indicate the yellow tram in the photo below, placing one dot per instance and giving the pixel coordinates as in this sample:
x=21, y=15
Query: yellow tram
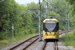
x=51, y=29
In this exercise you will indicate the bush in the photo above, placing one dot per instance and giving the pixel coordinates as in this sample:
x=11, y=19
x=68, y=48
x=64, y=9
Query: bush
x=74, y=32
x=4, y=41
x=64, y=37
x=15, y=40
x=70, y=39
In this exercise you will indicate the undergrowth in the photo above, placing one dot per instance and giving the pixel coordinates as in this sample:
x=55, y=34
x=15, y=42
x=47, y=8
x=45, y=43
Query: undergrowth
x=70, y=39
x=4, y=43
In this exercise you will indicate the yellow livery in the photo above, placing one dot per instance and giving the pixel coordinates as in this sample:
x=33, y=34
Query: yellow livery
x=50, y=29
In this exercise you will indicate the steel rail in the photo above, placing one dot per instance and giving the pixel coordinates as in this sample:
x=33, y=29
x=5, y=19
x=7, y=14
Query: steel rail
x=37, y=37
x=44, y=46
x=55, y=45
x=31, y=44
x=22, y=42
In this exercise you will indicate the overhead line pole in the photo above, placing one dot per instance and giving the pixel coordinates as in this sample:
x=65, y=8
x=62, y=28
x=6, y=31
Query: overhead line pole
x=40, y=18
x=46, y=12
x=68, y=21
x=40, y=21
x=46, y=7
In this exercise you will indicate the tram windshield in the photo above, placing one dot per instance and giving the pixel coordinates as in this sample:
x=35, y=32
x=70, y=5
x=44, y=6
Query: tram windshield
x=50, y=25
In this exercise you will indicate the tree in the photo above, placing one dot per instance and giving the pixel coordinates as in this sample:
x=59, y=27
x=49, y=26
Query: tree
x=60, y=10
x=72, y=10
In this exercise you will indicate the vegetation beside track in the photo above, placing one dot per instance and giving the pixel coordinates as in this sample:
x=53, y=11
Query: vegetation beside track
x=4, y=43
x=25, y=22
x=70, y=39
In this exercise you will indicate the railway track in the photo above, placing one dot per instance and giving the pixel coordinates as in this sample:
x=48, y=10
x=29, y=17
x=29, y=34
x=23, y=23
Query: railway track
x=24, y=45
x=62, y=32
x=30, y=41
x=55, y=45
x=46, y=43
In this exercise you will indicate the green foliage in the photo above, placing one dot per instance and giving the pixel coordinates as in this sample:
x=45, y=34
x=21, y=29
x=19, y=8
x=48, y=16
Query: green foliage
x=60, y=12
x=4, y=41
x=74, y=32
x=70, y=39
x=70, y=43
x=72, y=9
x=26, y=22
x=23, y=22
x=73, y=21
x=15, y=40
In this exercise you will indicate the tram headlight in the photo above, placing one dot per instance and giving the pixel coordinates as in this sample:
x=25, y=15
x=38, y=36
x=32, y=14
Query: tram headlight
x=54, y=33
x=46, y=33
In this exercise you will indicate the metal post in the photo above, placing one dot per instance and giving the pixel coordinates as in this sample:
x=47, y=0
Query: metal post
x=40, y=21
x=12, y=33
x=66, y=32
x=46, y=3
x=68, y=21
x=46, y=12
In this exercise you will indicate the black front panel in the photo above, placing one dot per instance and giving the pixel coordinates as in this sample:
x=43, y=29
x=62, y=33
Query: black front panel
x=50, y=27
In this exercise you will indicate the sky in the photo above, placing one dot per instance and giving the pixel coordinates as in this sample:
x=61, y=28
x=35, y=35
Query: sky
x=27, y=1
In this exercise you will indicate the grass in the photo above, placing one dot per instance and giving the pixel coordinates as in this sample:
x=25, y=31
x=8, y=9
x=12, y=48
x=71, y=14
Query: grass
x=4, y=43
x=70, y=39
x=23, y=37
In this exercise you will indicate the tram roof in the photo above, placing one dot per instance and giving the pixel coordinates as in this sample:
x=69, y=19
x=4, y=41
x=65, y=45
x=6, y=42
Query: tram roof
x=50, y=19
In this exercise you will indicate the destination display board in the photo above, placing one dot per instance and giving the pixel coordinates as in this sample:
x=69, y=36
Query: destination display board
x=50, y=21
